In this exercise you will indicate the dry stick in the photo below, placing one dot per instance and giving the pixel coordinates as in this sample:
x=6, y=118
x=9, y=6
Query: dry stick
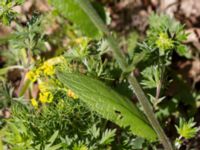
x=89, y=10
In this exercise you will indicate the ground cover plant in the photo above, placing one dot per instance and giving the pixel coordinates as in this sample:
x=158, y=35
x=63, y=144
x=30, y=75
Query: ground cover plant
x=68, y=81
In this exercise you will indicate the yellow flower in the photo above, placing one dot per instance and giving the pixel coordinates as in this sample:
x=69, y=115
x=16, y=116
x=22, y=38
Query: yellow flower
x=42, y=86
x=31, y=75
x=164, y=42
x=38, y=72
x=34, y=103
x=46, y=97
x=47, y=69
x=81, y=40
x=71, y=94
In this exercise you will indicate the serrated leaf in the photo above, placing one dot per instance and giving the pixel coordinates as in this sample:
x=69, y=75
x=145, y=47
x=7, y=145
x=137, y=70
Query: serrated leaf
x=53, y=137
x=182, y=50
x=72, y=11
x=51, y=140
x=55, y=147
x=108, y=103
x=107, y=137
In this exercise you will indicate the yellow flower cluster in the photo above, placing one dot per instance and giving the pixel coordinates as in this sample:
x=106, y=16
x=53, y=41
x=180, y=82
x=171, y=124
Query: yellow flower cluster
x=43, y=86
x=46, y=97
x=46, y=69
x=31, y=75
x=34, y=103
x=164, y=42
x=71, y=94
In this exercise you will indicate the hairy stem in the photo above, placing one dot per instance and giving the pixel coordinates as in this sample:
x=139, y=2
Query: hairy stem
x=149, y=112
x=158, y=89
x=89, y=10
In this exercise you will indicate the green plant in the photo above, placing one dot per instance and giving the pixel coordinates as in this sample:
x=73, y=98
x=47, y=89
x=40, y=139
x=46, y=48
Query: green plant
x=76, y=89
x=6, y=12
x=186, y=130
x=108, y=103
x=167, y=35
x=5, y=95
x=63, y=125
x=87, y=7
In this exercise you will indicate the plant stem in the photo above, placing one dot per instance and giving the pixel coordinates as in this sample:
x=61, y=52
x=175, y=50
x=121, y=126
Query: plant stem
x=149, y=112
x=158, y=89
x=21, y=85
x=90, y=11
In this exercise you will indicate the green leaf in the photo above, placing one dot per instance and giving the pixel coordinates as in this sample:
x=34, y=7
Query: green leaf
x=108, y=137
x=72, y=11
x=51, y=141
x=53, y=137
x=132, y=43
x=138, y=143
x=187, y=129
x=108, y=103
x=182, y=50
x=55, y=147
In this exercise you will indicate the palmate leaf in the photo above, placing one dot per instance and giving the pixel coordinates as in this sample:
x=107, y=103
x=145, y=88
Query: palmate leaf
x=72, y=11
x=108, y=103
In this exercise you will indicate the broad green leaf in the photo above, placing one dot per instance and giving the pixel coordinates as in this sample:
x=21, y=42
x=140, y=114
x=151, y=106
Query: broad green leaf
x=72, y=11
x=108, y=103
